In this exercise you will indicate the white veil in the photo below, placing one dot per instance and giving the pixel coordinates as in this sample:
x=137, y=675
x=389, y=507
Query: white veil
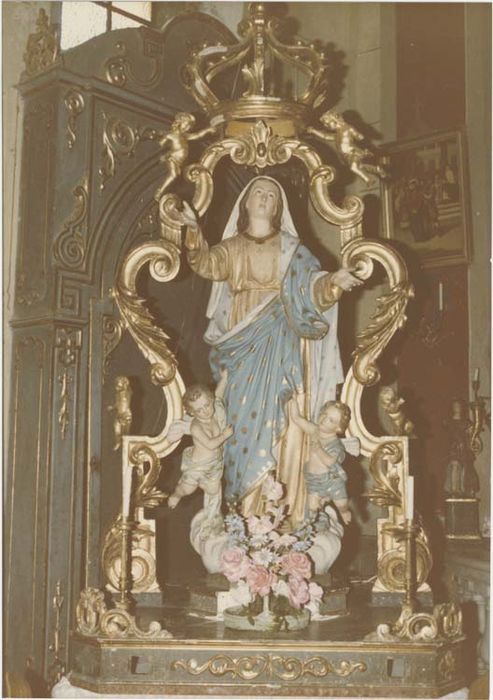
x=287, y=228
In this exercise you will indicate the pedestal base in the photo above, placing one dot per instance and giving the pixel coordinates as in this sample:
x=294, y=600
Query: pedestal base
x=329, y=658
x=279, y=668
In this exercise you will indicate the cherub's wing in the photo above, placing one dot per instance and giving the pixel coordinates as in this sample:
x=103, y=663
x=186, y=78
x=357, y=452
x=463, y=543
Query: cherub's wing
x=352, y=446
x=179, y=428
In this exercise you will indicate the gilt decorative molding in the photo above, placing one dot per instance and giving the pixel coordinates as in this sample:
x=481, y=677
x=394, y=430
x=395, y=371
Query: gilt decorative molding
x=74, y=104
x=70, y=246
x=119, y=69
x=285, y=668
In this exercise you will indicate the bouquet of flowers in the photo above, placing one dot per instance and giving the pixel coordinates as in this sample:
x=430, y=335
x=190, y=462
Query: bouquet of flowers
x=270, y=570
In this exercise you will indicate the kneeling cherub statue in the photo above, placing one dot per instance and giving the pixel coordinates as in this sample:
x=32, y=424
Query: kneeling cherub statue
x=325, y=477
x=202, y=463
x=202, y=467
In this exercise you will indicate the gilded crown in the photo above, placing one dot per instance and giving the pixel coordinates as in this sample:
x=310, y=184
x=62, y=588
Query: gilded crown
x=268, y=79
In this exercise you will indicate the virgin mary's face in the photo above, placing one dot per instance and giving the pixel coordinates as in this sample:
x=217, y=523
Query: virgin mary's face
x=263, y=200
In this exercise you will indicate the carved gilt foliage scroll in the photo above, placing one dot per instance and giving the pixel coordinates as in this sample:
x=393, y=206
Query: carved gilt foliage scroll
x=70, y=246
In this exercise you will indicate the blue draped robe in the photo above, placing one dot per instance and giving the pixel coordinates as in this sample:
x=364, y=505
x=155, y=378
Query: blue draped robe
x=265, y=368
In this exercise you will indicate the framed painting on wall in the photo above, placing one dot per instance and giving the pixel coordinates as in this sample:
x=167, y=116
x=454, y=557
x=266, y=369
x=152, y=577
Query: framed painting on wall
x=425, y=201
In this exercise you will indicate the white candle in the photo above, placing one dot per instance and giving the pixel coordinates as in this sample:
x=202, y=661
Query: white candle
x=440, y=296
x=410, y=498
x=476, y=374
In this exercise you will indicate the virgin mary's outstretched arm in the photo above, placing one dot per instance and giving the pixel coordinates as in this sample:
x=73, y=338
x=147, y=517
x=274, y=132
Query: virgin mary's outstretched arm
x=210, y=263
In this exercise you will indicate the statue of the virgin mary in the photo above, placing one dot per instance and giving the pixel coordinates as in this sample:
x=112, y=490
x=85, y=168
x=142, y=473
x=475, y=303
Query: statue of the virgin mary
x=273, y=328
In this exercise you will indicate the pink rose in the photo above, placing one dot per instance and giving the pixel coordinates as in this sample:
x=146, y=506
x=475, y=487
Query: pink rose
x=234, y=564
x=298, y=593
x=260, y=580
x=296, y=564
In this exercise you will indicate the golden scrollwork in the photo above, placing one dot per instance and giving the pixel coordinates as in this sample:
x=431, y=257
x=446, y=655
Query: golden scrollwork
x=74, y=104
x=388, y=317
x=259, y=147
x=391, y=565
x=444, y=623
x=151, y=339
x=112, y=334
x=286, y=668
x=141, y=455
x=118, y=69
x=119, y=140
x=120, y=624
x=386, y=492
x=143, y=562
x=389, y=456
x=65, y=380
x=42, y=46
x=146, y=494
x=90, y=608
x=68, y=342
x=94, y=619
x=70, y=245
x=57, y=667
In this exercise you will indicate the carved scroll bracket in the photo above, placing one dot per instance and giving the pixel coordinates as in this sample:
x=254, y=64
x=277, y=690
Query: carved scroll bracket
x=95, y=620
x=70, y=246
x=74, y=104
x=389, y=455
x=119, y=141
x=119, y=69
x=444, y=623
x=386, y=320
